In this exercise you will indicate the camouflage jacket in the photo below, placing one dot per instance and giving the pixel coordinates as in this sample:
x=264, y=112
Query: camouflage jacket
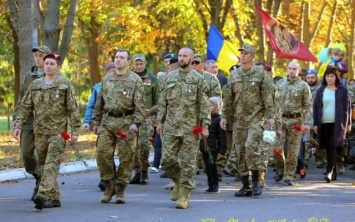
x=294, y=97
x=29, y=78
x=52, y=107
x=250, y=98
x=212, y=85
x=183, y=103
x=119, y=94
x=151, y=91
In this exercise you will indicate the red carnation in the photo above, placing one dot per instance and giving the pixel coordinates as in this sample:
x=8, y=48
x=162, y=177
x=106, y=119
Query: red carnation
x=152, y=140
x=277, y=152
x=197, y=130
x=121, y=134
x=65, y=135
x=297, y=127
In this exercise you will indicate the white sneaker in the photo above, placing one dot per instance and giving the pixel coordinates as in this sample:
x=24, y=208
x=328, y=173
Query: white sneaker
x=169, y=186
x=153, y=170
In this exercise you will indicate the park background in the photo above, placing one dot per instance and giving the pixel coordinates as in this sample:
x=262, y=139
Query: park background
x=86, y=34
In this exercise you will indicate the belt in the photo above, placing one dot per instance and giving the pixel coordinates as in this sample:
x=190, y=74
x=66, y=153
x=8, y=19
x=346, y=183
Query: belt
x=129, y=112
x=295, y=115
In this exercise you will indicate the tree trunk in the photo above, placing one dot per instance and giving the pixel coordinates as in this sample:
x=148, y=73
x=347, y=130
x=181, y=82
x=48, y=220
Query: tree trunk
x=331, y=22
x=51, y=28
x=68, y=29
x=260, y=34
x=20, y=20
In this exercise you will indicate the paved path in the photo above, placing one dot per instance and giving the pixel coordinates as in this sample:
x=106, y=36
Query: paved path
x=309, y=198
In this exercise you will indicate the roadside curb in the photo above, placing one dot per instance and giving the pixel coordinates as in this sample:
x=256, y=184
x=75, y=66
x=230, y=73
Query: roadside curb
x=65, y=168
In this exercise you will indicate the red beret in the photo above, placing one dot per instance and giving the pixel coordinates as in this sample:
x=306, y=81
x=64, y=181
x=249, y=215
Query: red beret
x=54, y=56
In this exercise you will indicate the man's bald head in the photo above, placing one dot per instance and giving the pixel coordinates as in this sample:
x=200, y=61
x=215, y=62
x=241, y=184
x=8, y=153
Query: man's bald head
x=293, y=69
x=186, y=56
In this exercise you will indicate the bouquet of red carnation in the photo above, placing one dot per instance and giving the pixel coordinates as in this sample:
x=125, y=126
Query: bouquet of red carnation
x=277, y=152
x=197, y=130
x=78, y=156
x=121, y=134
x=297, y=127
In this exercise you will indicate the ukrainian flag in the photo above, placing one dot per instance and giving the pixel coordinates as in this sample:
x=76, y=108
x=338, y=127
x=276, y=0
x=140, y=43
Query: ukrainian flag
x=221, y=50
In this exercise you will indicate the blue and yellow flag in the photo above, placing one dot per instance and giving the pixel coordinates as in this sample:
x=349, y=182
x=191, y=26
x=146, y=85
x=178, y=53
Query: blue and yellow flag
x=221, y=50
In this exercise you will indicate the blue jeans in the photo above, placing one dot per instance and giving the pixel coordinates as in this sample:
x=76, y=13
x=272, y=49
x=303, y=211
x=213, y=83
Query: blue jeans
x=157, y=149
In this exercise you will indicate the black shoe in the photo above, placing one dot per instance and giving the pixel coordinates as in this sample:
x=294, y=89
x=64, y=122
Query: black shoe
x=144, y=177
x=39, y=201
x=288, y=183
x=278, y=177
x=35, y=190
x=52, y=203
x=209, y=190
x=244, y=192
x=136, y=179
x=352, y=168
x=164, y=175
x=231, y=172
x=102, y=185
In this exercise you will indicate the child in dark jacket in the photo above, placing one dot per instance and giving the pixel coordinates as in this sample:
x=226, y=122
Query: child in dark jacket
x=215, y=143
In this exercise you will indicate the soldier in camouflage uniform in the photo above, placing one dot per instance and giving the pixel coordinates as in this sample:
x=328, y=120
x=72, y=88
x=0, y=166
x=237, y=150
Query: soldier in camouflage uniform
x=183, y=104
x=294, y=100
x=146, y=131
x=251, y=100
x=52, y=99
x=27, y=136
x=120, y=106
x=213, y=89
x=228, y=160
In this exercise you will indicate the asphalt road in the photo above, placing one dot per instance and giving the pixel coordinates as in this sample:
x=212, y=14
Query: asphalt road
x=311, y=199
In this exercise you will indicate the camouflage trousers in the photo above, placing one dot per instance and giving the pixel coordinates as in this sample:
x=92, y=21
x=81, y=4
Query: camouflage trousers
x=50, y=150
x=144, y=146
x=106, y=144
x=229, y=158
x=247, y=145
x=287, y=165
x=27, y=144
x=179, y=156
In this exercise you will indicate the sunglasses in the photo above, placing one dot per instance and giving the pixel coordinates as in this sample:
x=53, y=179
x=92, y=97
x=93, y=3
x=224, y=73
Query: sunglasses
x=195, y=62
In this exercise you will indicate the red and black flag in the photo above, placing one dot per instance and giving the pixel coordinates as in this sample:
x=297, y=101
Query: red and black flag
x=283, y=42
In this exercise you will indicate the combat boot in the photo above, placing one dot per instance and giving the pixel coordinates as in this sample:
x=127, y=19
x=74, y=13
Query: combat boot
x=120, y=198
x=175, y=192
x=35, y=190
x=183, y=201
x=246, y=190
x=109, y=192
x=136, y=179
x=257, y=189
x=144, y=177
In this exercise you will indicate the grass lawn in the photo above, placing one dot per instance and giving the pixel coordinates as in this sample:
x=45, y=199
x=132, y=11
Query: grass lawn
x=10, y=156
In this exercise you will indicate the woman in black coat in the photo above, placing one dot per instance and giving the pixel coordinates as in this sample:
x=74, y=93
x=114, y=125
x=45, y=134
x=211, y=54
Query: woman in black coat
x=331, y=114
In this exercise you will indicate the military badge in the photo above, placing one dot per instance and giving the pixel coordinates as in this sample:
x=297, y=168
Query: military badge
x=147, y=82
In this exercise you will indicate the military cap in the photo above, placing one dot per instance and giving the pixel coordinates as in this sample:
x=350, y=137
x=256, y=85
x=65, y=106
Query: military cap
x=169, y=55
x=138, y=57
x=109, y=65
x=42, y=48
x=54, y=56
x=198, y=57
x=312, y=71
x=173, y=60
x=268, y=68
x=248, y=48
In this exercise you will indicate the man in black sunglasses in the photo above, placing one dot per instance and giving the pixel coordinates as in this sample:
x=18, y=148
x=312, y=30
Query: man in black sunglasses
x=213, y=87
